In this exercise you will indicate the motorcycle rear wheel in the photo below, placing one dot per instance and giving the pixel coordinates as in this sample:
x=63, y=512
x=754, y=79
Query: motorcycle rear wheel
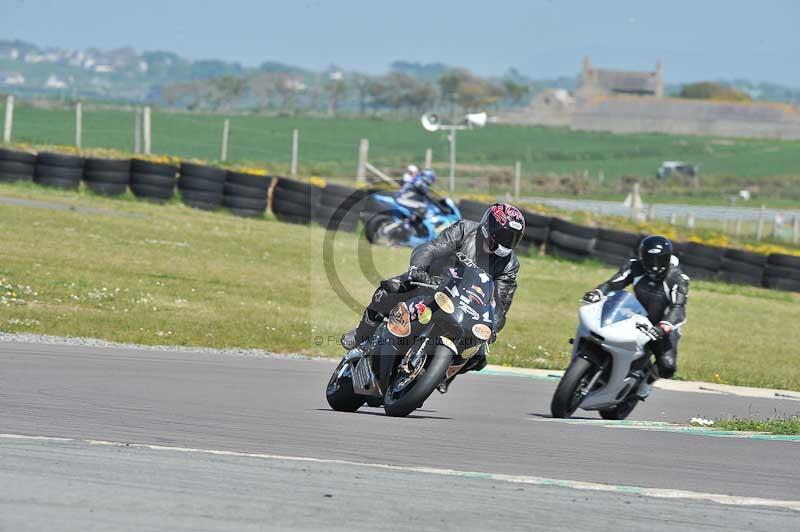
x=402, y=404
x=567, y=397
x=622, y=410
x=340, y=394
x=373, y=230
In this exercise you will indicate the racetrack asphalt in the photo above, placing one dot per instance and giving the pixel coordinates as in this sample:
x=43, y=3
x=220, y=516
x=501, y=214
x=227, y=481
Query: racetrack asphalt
x=260, y=409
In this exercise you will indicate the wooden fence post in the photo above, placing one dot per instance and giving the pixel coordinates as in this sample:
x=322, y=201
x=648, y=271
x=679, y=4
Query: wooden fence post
x=295, y=147
x=363, y=154
x=9, y=122
x=78, y=125
x=147, y=131
x=226, y=129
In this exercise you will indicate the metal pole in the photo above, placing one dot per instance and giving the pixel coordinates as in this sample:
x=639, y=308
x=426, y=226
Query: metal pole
x=226, y=129
x=78, y=125
x=147, y=138
x=361, y=169
x=137, y=131
x=428, y=158
x=517, y=176
x=452, y=160
x=295, y=142
x=9, y=119
x=760, y=229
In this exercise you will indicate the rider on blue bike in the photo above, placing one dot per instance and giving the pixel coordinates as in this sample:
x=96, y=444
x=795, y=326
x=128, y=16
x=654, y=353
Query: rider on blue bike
x=414, y=193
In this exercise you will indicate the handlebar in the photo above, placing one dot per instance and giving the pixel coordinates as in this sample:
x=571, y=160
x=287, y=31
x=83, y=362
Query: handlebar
x=437, y=279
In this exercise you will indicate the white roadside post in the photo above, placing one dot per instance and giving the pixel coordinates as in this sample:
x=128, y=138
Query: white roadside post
x=760, y=228
x=428, y=158
x=78, y=125
x=363, y=154
x=9, y=122
x=147, y=131
x=295, y=147
x=226, y=129
x=796, y=229
x=517, y=177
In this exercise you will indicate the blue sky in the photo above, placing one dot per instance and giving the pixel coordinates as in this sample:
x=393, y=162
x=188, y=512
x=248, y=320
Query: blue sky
x=694, y=39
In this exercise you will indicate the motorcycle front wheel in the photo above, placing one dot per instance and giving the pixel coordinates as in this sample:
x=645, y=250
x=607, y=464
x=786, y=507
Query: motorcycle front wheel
x=572, y=388
x=401, y=402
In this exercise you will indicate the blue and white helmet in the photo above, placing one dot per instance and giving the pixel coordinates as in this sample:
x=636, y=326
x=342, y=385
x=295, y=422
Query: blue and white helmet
x=429, y=176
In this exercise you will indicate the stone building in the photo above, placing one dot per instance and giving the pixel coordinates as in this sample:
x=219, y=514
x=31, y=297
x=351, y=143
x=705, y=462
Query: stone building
x=623, y=101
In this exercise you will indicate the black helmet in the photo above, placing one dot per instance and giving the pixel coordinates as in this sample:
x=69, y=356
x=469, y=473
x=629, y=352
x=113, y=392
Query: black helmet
x=502, y=227
x=655, y=254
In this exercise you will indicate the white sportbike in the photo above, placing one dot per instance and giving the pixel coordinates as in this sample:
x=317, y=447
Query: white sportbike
x=610, y=359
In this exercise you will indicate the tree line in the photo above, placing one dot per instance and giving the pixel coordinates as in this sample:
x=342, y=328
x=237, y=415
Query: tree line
x=335, y=91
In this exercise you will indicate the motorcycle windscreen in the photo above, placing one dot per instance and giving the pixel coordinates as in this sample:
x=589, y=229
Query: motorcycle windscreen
x=620, y=305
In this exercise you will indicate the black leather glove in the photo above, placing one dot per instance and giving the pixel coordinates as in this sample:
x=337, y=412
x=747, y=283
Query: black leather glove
x=593, y=296
x=418, y=275
x=492, y=339
x=656, y=333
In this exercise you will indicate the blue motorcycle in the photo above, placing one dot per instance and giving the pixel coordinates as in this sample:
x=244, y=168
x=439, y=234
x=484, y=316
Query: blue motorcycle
x=396, y=224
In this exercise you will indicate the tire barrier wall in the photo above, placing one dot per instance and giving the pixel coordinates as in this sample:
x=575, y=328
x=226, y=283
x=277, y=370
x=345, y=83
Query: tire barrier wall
x=16, y=166
x=571, y=241
x=339, y=208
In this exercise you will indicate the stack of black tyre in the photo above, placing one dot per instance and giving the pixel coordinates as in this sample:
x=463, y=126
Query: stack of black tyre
x=615, y=247
x=742, y=267
x=202, y=186
x=153, y=181
x=246, y=194
x=570, y=241
x=782, y=272
x=294, y=201
x=473, y=210
x=16, y=165
x=108, y=177
x=537, y=227
x=58, y=170
x=340, y=207
x=701, y=261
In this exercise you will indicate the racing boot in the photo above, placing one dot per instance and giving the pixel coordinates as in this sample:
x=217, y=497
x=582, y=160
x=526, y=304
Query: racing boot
x=476, y=363
x=354, y=338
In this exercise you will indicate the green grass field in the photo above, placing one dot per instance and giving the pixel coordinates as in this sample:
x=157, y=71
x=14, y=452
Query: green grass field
x=133, y=272
x=329, y=147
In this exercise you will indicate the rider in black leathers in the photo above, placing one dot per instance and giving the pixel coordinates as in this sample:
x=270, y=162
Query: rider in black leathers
x=662, y=288
x=488, y=244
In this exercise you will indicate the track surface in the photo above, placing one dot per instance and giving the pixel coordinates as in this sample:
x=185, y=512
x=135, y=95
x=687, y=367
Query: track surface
x=488, y=424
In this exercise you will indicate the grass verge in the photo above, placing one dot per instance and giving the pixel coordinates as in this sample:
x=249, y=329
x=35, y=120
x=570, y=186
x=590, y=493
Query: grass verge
x=130, y=271
x=783, y=426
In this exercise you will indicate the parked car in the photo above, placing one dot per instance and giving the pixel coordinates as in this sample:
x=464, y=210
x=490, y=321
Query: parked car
x=669, y=168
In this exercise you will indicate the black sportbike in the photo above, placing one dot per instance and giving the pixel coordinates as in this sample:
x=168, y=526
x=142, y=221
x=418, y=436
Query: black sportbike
x=423, y=341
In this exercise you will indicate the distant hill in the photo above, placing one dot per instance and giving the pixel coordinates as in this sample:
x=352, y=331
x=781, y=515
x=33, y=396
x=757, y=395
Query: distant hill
x=126, y=75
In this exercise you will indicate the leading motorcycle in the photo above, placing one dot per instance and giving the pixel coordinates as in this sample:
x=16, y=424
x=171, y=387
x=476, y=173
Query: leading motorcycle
x=397, y=224
x=423, y=341
x=611, y=362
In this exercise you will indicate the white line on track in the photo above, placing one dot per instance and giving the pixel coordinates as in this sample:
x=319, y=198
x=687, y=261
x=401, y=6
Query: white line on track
x=658, y=493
